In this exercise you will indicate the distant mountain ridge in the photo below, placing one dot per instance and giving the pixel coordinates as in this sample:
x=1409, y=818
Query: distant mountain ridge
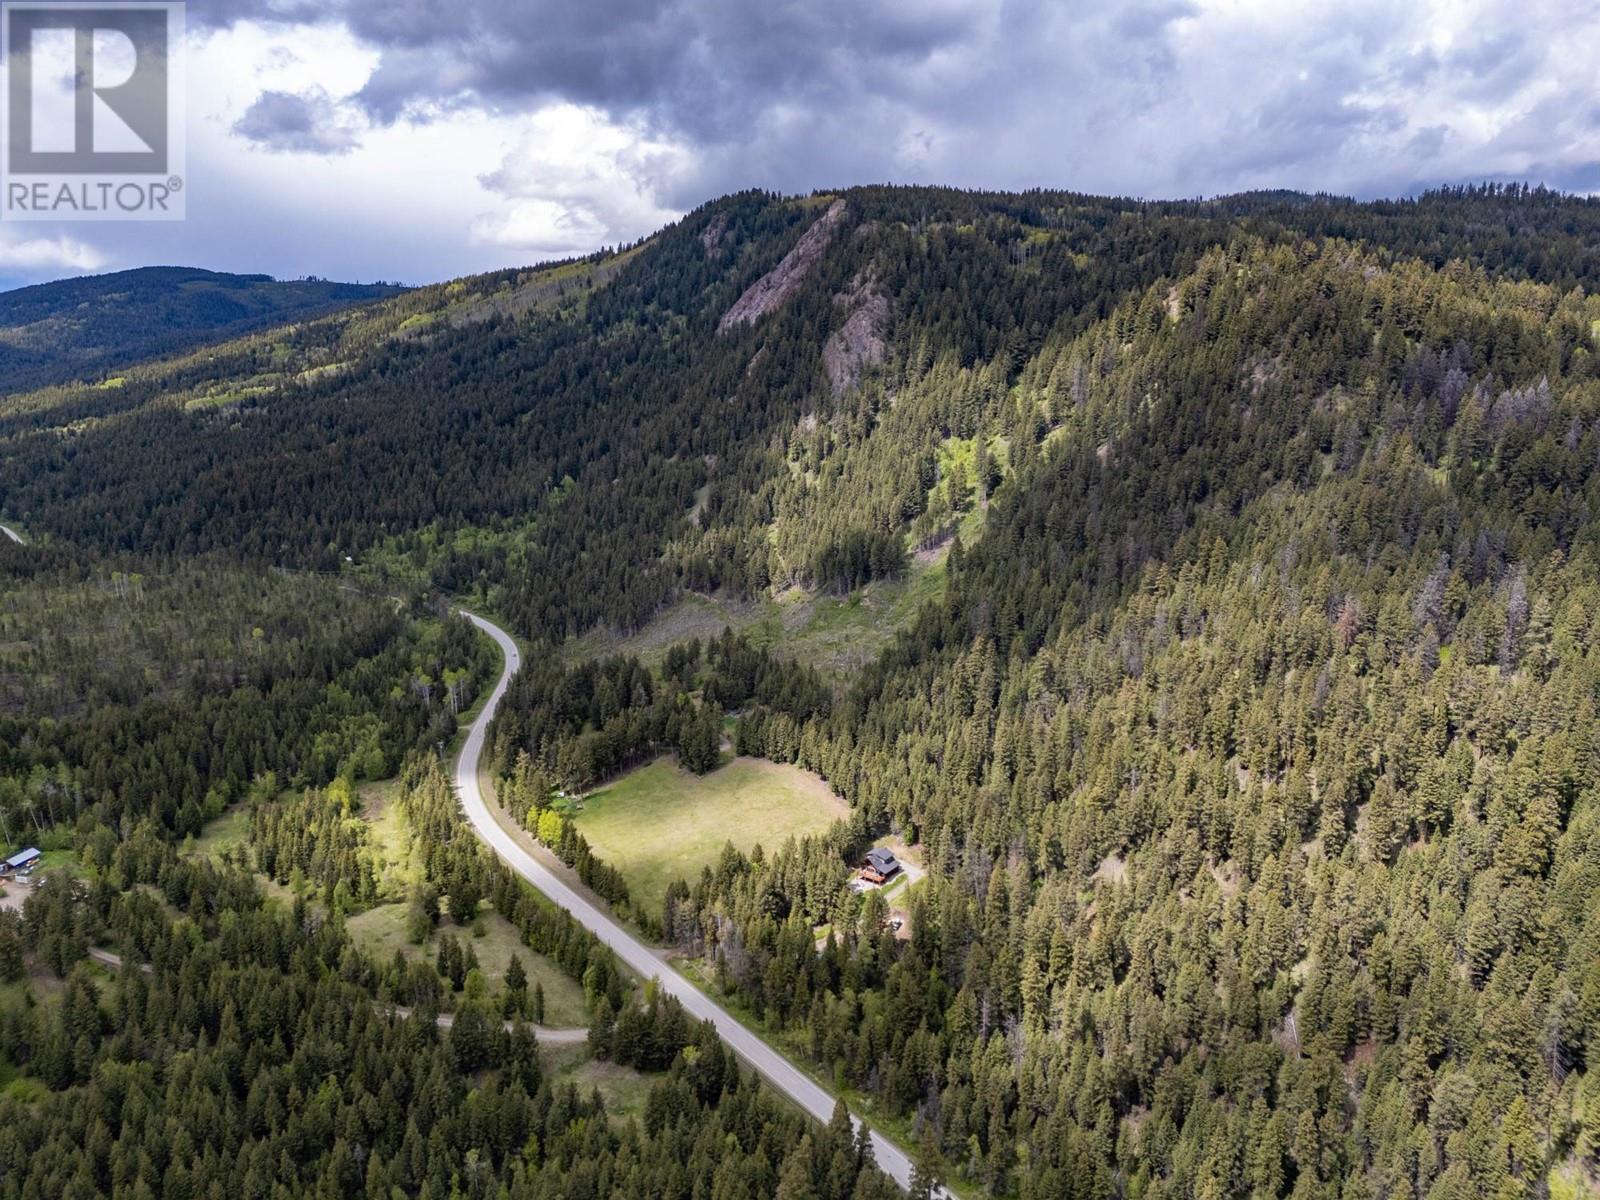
x=75, y=329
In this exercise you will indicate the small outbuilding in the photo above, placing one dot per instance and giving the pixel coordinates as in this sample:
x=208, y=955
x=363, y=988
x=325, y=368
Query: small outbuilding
x=880, y=865
x=20, y=861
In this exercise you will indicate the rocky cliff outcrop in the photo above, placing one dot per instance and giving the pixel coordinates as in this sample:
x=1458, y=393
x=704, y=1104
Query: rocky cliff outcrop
x=858, y=344
x=778, y=284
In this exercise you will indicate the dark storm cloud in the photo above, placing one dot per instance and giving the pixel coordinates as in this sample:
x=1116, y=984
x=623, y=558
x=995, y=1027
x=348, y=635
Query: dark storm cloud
x=702, y=68
x=695, y=66
x=304, y=122
x=1150, y=96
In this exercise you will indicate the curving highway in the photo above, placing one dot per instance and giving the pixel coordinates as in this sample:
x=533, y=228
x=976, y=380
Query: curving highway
x=644, y=959
x=12, y=534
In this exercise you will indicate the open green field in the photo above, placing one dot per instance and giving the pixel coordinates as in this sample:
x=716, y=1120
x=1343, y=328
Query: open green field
x=58, y=860
x=660, y=823
x=835, y=635
x=394, y=865
x=382, y=930
x=623, y=1089
x=231, y=829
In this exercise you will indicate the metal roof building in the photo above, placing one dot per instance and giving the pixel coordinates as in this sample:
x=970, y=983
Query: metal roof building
x=22, y=858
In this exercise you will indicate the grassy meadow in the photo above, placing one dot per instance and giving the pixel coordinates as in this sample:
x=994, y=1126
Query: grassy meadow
x=661, y=823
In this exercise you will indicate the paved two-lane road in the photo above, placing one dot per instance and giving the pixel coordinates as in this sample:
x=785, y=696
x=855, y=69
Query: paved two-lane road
x=642, y=958
x=12, y=534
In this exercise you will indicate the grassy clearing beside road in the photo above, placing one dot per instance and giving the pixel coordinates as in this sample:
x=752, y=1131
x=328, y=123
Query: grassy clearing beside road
x=660, y=823
x=382, y=930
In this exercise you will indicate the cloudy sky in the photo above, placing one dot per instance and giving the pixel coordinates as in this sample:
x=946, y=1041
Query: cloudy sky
x=422, y=139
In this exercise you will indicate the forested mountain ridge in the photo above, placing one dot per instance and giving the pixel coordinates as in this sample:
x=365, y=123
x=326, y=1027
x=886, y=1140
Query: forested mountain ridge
x=1249, y=735
x=412, y=427
x=81, y=328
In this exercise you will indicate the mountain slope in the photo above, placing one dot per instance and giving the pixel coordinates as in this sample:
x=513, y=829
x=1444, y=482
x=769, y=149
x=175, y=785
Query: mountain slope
x=81, y=328
x=1249, y=733
x=470, y=405
x=1252, y=747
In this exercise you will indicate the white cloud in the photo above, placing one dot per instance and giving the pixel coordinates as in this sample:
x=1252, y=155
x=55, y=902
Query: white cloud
x=574, y=180
x=28, y=257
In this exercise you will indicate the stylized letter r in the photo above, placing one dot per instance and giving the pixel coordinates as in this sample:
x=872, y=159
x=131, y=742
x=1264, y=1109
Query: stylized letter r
x=109, y=67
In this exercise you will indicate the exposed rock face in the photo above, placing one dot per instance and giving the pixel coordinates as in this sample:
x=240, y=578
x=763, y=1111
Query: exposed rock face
x=778, y=284
x=711, y=236
x=857, y=344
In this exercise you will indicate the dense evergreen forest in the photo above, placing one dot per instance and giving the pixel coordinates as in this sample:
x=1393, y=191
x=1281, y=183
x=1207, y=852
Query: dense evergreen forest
x=1246, y=721
x=248, y=1046
x=257, y=1055
x=1254, y=745
x=135, y=690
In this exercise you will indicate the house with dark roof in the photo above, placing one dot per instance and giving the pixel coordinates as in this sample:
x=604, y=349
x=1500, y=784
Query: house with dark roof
x=880, y=865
